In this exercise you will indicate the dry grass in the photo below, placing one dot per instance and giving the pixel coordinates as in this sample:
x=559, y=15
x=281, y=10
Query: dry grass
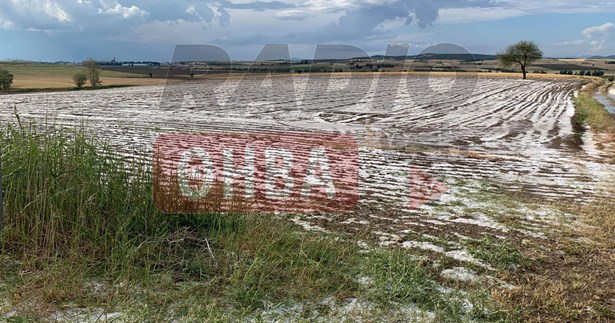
x=570, y=276
x=50, y=76
x=43, y=77
x=59, y=82
x=601, y=216
x=369, y=74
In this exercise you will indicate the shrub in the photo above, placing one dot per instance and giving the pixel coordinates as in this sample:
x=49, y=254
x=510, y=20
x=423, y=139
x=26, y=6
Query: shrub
x=6, y=79
x=79, y=79
x=598, y=73
x=93, y=73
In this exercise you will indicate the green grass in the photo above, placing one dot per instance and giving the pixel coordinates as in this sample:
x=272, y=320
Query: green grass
x=19, y=69
x=82, y=232
x=398, y=278
x=590, y=112
x=499, y=253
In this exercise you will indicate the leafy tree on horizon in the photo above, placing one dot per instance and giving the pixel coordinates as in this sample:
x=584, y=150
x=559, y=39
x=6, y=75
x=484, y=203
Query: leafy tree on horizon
x=523, y=53
x=92, y=72
x=6, y=79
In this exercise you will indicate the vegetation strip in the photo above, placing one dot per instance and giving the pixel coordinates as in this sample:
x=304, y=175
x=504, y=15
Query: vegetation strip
x=590, y=112
x=82, y=232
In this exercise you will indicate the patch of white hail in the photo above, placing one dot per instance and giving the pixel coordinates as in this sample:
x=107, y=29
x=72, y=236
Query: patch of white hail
x=423, y=246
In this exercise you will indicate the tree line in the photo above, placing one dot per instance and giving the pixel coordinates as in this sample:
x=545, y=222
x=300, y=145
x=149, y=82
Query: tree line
x=586, y=72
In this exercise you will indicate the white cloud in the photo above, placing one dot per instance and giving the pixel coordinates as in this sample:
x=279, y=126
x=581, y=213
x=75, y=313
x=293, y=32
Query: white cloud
x=601, y=30
x=561, y=6
x=465, y=15
x=575, y=42
x=600, y=37
x=293, y=14
x=598, y=45
x=191, y=10
x=7, y=24
x=34, y=14
x=112, y=7
x=327, y=5
x=52, y=9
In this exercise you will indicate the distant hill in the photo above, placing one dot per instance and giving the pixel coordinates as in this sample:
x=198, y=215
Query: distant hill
x=16, y=61
x=431, y=56
x=460, y=57
x=603, y=57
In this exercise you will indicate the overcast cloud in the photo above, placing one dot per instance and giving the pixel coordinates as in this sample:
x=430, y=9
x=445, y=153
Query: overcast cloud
x=150, y=28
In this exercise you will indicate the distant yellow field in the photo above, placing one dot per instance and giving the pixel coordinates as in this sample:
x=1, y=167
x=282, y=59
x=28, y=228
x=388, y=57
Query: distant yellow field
x=44, y=82
x=460, y=74
x=577, y=60
x=38, y=76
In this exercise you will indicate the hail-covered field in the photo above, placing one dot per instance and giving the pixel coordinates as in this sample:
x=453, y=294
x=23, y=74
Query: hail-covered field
x=481, y=137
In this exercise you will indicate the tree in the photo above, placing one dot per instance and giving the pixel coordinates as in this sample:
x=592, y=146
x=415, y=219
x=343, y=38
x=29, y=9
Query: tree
x=523, y=53
x=79, y=79
x=6, y=79
x=92, y=72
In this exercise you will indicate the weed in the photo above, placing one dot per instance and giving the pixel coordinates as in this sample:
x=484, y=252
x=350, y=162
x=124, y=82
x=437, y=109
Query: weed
x=499, y=253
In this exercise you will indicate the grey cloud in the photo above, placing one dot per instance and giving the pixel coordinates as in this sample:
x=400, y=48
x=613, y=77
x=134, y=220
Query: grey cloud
x=258, y=5
x=178, y=10
x=293, y=14
x=108, y=15
x=225, y=17
x=35, y=15
x=361, y=21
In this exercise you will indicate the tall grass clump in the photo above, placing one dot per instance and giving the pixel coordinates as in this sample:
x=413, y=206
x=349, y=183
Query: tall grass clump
x=67, y=195
x=76, y=212
x=77, y=215
x=590, y=112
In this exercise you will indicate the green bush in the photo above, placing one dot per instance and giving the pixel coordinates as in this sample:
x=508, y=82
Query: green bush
x=598, y=73
x=79, y=79
x=6, y=80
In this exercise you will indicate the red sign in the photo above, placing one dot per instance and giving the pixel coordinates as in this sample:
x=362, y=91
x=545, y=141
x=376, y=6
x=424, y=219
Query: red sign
x=256, y=172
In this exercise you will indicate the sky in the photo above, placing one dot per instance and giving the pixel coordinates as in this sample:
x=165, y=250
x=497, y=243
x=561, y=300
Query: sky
x=72, y=30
